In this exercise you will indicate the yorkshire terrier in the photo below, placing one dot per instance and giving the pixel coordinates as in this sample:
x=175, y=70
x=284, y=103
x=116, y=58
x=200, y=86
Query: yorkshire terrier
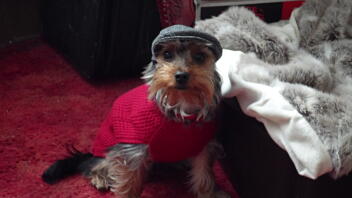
x=169, y=119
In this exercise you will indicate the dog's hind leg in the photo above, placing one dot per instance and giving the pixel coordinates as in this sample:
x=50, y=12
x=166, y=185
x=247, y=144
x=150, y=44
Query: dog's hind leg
x=123, y=170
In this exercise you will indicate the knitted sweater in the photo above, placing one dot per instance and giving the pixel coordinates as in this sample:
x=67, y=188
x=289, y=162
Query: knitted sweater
x=137, y=120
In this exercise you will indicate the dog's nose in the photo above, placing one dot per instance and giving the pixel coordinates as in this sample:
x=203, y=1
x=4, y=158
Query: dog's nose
x=181, y=78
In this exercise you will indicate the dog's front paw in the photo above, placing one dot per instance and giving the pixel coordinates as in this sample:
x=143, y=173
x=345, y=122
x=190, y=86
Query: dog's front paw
x=217, y=194
x=221, y=194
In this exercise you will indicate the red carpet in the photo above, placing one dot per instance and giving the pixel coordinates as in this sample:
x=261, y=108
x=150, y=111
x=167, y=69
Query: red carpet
x=46, y=105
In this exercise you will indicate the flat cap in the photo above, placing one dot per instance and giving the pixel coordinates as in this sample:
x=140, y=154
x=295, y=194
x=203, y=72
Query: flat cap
x=176, y=32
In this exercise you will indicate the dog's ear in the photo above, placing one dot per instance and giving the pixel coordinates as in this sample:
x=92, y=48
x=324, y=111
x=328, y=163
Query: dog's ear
x=149, y=71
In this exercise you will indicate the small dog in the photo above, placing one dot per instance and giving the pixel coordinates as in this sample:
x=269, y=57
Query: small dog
x=168, y=119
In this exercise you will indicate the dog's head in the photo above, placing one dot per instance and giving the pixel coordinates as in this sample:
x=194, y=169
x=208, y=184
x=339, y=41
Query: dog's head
x=182, y=77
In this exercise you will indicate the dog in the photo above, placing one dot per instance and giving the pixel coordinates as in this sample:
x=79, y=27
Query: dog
x=168, y=119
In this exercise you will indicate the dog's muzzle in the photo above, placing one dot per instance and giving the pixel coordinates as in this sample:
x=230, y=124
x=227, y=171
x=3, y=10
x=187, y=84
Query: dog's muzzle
x=181, y=79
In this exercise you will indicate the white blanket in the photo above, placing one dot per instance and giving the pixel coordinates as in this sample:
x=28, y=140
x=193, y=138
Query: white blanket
x=284, y=124
x=295, y=78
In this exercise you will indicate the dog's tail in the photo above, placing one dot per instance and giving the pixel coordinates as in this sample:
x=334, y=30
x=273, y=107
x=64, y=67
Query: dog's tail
x=76, y=162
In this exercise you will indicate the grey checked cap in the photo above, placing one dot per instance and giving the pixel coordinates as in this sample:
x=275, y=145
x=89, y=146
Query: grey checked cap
x=187, y=33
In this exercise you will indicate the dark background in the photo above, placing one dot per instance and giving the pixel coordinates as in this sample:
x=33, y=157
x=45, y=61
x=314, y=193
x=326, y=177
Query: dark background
x=19, y=20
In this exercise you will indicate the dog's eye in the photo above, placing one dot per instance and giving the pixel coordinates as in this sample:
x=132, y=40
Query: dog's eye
x=199, y=57
x=168, y=55
x=157, y=49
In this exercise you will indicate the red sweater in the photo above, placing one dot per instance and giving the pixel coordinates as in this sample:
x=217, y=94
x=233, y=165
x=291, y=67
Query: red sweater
x=137, y=120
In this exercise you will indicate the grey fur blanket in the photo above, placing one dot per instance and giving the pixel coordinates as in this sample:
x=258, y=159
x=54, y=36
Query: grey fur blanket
x=311, y=56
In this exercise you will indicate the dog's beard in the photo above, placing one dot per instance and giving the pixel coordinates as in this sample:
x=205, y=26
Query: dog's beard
x=181, y=108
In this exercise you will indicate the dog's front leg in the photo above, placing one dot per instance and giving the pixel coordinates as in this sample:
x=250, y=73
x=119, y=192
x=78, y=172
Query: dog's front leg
x=202, y=176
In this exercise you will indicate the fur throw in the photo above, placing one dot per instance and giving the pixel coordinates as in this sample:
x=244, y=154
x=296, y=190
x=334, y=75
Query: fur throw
x=308, y=60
